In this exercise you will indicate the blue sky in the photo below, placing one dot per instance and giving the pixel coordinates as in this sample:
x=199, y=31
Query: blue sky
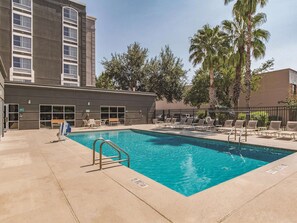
x=156, y=23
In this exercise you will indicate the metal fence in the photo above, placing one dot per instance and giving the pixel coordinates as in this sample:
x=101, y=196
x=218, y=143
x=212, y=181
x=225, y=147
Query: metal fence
x=263, y=114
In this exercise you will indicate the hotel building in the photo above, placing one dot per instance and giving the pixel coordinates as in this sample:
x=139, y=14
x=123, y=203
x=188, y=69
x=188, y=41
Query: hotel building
x=48, y=50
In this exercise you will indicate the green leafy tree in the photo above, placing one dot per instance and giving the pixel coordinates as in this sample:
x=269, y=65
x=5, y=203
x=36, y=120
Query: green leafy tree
x=163, y=75
x=104, y=81
x=247, y=9
x=208, y=47
x=166, y=76
x=127, y=69
x=198, y=93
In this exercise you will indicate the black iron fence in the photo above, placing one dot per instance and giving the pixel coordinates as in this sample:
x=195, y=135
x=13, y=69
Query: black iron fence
x=263, y=114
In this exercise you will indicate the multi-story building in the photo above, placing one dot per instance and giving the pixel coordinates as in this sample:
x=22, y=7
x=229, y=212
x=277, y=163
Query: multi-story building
x=275, y=88
x=2, y=77
x=48, y=49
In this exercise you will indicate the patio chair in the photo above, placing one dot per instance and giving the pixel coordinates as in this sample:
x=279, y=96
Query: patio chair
x=85, y=123
x=91, y=123
x=252, y=126
x=273, y=129
x=208, y=126
x=188, y=123
x=290, y=130
x=201, y=123
x=180, y=124
x=227, y=126
x=98, y=123
x=166, y=122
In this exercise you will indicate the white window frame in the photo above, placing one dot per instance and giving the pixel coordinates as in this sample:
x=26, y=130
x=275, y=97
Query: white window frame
x=21, y=27
x=70, y=76
x=19, y=69
x=15, y=53
x=70, y=39
x=69, y=57
x=21, y=48
x=22, y=6
x=66, y=79
x=66, y=19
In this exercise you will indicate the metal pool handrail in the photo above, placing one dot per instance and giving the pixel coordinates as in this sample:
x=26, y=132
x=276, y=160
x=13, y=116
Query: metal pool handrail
x=115, y=147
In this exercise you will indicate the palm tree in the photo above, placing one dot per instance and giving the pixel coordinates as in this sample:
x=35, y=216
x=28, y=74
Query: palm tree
x=246, y=9
x=236, y=30
x=208, y=47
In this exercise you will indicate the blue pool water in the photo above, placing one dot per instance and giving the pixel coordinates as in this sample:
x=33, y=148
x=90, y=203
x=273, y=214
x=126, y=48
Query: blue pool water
x=184, y=164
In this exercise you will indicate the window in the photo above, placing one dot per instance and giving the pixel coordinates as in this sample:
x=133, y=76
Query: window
x=70, y=34
x=22, y=22
x=22, y=43
x=13, y=116
x=24, y=4
x=113, y=112
x=70, y=15
x=49, y=112
x=70, y=70
x=22, y=63
x=294, y=89
x=70, y=52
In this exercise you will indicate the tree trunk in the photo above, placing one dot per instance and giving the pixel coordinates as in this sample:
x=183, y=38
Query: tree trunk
x=237, y=86
x=237, y=81
x=248, y=75
x=212, y=94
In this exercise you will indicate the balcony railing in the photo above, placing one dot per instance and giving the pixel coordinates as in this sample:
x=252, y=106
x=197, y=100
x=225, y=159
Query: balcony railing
x=21, y=70
x=22, y=6
x=23, y=28
x=22, y=49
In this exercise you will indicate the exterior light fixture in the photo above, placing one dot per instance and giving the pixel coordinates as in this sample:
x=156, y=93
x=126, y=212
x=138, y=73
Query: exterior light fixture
x=29, y=102
x=89, y=103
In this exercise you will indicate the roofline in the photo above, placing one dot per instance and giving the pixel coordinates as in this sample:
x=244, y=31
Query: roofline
x=272, y=71
x=2, y=68
x=78, y=2
x=88, y=89
x=91, y=17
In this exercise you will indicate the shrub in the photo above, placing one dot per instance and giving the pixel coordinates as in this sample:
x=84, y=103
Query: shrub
x=262, y=117
x=200, y=114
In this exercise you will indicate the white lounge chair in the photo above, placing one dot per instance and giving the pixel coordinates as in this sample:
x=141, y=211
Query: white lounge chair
x=180, y=124
x=91, y=123
x=273, y=129
x=188, y=124
x=290, y=130
x=252, y=126
x=208, y=126
x=227, y=126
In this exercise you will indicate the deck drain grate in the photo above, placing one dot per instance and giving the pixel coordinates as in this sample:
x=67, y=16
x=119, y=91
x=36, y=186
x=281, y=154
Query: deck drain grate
x=139, y=183
x=277, y=169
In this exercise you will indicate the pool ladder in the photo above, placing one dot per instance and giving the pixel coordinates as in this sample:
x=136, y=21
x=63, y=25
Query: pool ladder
x=113, y=146
x=235, y=132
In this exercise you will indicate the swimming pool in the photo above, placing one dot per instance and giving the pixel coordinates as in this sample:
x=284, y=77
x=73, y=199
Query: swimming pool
x=184, y=164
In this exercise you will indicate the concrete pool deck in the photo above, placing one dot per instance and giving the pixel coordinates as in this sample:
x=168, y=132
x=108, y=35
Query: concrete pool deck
x=55, y=182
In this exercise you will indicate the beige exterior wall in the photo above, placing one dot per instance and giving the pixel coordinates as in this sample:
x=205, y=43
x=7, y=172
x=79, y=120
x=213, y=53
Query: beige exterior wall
x=274, y=88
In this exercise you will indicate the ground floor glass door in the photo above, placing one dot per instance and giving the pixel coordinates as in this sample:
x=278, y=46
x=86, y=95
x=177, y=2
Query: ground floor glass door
x=5, y=117
x=11, y=116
